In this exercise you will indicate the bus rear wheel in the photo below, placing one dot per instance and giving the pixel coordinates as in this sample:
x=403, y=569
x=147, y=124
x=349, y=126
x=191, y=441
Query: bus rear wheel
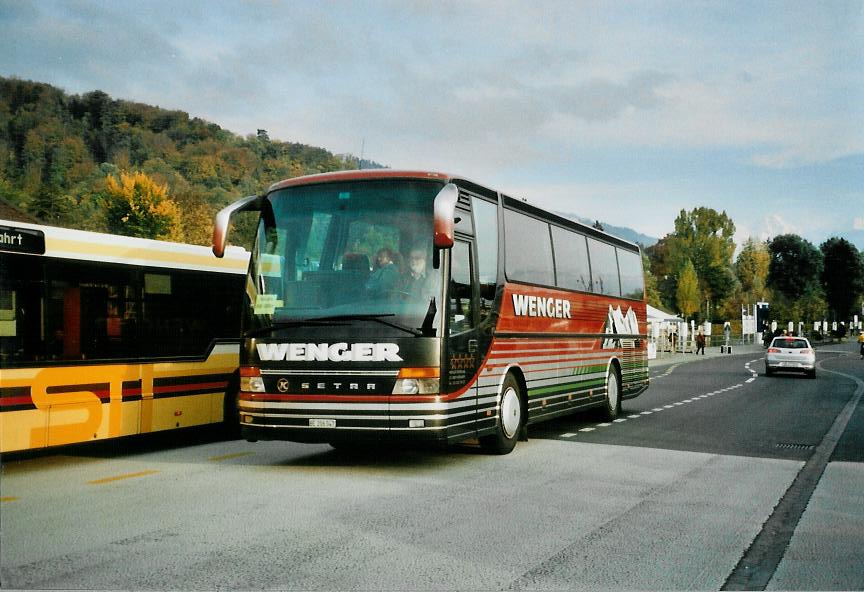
x=612, y=407
x=511, y=418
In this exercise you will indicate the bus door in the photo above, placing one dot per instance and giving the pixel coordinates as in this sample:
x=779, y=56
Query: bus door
x=463, y=351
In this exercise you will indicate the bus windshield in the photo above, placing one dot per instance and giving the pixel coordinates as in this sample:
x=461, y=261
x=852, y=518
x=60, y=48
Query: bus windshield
x=344, y=252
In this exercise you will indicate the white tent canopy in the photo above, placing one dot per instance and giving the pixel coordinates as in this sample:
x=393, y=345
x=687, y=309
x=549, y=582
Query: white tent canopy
x=657, y=315
x=661, y=325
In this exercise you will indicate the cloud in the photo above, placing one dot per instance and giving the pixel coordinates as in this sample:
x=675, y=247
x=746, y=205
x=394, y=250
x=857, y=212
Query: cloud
x=623, y=115
x=858, y=224
x=601, y=100
x=775, y=225
x=425, y=80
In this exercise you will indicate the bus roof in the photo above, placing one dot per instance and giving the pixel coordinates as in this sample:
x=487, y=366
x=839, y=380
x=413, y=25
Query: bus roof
x=66, y=243
x=358, y=175
x=522, y=205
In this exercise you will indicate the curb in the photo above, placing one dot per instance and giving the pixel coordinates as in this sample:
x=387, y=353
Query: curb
x=710, y=353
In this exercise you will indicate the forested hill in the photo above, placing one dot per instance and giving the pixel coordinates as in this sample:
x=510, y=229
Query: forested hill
x=57, y=151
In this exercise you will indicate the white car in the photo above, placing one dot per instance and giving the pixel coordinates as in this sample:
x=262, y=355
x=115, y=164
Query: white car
x=793, y=354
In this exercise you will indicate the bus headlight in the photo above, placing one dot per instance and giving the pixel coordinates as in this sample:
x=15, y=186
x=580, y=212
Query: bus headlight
x=252, y=384
x=417, y=381
x=251, y=381
x=416, y=386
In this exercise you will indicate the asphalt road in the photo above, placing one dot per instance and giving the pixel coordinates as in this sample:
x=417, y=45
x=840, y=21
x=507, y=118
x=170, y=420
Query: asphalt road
x=675, y=495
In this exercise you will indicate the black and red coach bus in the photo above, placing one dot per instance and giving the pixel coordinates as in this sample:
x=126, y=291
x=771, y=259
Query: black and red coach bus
x=418, y=305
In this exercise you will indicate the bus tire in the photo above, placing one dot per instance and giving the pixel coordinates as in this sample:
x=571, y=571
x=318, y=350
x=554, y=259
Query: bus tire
x=511, y=419
x=612, y=404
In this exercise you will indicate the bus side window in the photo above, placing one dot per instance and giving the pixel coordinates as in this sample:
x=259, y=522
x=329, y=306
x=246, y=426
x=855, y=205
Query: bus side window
x=486, y=231
x=461, y=290
x=20, y=318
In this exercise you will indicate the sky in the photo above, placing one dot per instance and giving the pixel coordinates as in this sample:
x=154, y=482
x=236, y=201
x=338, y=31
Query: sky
x=625, y=112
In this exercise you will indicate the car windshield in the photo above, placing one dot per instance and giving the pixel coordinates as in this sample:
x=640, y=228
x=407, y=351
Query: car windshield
x=790, y=343
x=353, y=250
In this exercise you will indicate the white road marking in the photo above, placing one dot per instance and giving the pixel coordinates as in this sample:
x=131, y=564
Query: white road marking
x=676, y=404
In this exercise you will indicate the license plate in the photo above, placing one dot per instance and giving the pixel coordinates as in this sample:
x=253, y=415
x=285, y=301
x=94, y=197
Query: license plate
x=322, y=423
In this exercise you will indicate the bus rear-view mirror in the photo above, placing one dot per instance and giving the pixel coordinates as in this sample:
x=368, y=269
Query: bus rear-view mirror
x=445, y=214
x=223, y=221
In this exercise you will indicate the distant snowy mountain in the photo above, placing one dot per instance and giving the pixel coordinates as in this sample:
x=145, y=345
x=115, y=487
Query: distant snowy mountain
x=627, y=234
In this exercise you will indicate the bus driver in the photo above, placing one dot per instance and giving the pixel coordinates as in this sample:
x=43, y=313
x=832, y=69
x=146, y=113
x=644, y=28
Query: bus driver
x=416, y=281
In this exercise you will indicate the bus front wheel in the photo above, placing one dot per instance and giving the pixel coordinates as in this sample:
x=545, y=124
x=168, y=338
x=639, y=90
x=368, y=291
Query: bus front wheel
x=511, y=417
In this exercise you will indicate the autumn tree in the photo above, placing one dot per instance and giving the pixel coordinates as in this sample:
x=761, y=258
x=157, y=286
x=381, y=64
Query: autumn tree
x=197, y=218
x=652, y=293
x=687, y=293
x=56, y=150
x=138, y=206
x=751, y=269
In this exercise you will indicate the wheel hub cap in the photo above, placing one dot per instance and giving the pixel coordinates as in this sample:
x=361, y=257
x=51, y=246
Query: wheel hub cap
x=511, y=412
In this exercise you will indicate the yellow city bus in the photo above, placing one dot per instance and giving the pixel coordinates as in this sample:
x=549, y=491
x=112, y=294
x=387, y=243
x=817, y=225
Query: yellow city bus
x=103, y=336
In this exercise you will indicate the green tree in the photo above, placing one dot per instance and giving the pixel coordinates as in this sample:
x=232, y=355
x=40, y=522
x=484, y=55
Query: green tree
x=687, y=293
x=704, y=237
x=660, y=257
x=795, y=267
x=137, y=206
x=842, y=276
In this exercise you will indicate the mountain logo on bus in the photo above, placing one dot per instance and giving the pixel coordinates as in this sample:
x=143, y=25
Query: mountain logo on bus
x=326, y=352
x=618, y=323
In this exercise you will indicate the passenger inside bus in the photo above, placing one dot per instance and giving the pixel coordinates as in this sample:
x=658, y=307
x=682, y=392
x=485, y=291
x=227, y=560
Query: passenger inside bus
x=384, y=279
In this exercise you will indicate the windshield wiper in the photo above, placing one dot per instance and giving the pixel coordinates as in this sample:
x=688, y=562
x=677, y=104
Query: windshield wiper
x=426, y=328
